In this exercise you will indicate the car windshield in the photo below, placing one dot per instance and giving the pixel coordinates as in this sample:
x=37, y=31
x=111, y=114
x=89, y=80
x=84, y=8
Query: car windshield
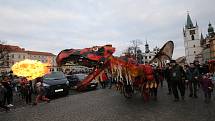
x=55, y=75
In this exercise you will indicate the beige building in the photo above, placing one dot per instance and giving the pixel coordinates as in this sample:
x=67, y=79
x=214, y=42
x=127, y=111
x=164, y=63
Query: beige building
x=212, y=48
x=208, y=44
x=16, y=54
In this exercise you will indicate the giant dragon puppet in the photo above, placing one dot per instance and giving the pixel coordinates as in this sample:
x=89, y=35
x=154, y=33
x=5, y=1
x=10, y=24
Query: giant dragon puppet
x=131, y=75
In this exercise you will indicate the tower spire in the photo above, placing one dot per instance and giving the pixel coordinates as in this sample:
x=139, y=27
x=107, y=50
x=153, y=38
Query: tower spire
x=189, y=23
x=147, y=47
x=146, y=42
x=202, y=36
x=202, y=40
x=196, y=24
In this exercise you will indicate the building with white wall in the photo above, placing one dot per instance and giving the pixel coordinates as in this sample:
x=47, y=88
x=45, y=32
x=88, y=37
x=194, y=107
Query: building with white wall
x=16, y=54
x=192, y=41
x=149, y=55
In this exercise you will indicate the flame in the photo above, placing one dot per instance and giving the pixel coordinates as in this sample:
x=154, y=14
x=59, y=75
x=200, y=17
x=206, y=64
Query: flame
x=31, y=69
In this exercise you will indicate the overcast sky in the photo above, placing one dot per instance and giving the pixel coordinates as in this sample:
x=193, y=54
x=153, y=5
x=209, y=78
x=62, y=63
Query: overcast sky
x=54, y=25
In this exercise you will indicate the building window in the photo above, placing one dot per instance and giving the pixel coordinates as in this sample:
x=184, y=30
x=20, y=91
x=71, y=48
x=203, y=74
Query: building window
x=192, y=37
x=19, y=56
x=23, y=57
x=149, y=57
x=12, y=56
x=194, y=46
x=194, y=52
x=146, y=57
x=192, y=32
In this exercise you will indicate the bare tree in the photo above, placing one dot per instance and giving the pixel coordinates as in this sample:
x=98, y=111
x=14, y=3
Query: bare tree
x=136, y=46
x=134, y=50
x=129, y=52
x=4, y=54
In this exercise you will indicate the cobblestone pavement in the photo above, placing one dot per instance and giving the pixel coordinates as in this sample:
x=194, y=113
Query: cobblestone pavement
x=18, y=102
x=109, y=105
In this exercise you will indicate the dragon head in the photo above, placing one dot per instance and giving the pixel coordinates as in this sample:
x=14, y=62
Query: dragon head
x=89, y=57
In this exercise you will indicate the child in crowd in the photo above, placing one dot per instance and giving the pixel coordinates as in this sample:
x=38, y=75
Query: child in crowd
x=27, y=89
x=207, y=86
x=41, y=94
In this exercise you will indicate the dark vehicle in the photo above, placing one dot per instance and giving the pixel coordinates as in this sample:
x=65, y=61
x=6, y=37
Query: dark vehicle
x=56, y=84
x=77, y=78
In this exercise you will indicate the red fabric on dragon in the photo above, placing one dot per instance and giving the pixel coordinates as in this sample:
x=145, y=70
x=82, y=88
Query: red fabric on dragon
x=100, y=58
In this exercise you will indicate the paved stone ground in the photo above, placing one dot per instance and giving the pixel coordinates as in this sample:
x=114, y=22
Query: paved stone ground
x=18, y=102
x=109, y=105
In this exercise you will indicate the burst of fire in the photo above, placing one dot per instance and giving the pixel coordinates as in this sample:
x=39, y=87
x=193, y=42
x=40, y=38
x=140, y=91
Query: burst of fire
x=31, y=69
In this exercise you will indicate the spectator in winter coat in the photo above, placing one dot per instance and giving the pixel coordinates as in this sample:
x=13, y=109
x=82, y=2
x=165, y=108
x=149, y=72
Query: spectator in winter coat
x=27, y=90
x=178, y=80
x=2, y=95
x=207, y=87
x=167, y=78
x=9, y=93
x=193, y=82
x=41, y=92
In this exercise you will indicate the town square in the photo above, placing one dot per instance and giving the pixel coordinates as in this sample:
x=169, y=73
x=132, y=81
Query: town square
x=97, y=60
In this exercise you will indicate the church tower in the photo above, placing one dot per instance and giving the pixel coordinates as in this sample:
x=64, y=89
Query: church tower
x=147, y=47
x=191, y=40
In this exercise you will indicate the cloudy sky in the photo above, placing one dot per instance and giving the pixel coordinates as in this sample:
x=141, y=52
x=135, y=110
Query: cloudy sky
x=54, y=25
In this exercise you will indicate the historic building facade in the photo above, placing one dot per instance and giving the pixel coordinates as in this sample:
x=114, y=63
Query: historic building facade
x=211, y=35
x=149, y=55
x=208, y=44
x=212, y=48
x=16, y=54
x=198, y=48
x=193, y=49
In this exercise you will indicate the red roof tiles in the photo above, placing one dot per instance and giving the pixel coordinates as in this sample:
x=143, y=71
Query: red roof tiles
x=12, y=48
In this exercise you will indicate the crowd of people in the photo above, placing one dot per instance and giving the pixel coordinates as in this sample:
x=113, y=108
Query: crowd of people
x=180, y=79
x=188, y=79
x=24, y=88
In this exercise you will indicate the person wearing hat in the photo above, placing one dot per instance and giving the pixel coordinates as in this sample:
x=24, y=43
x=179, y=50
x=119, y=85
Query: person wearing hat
x=177, y=75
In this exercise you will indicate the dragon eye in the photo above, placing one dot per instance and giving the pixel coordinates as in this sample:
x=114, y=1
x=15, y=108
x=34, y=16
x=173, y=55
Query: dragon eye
x=95, y=49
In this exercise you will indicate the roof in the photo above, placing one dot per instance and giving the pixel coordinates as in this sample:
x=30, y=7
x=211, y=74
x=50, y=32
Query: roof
x=12, y=48
x=189, y=23
x=39, y=53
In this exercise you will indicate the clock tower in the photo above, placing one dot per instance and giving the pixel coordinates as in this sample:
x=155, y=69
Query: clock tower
x=191, y=41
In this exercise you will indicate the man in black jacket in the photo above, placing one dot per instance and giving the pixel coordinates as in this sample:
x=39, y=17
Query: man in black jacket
x=193, y=82
x=178, y=80
x=2, y=94
x=168, y=78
